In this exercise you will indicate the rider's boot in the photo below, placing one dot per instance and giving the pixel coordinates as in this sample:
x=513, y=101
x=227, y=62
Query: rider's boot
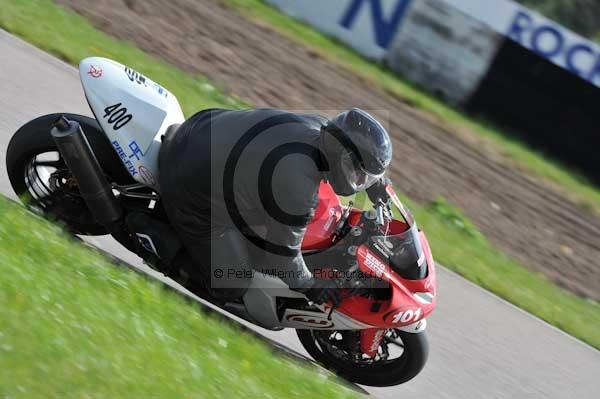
x=157, y=243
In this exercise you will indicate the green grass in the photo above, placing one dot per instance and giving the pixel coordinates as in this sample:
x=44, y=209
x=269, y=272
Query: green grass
x=74, y=326
x=455, y=241
x=573, y=186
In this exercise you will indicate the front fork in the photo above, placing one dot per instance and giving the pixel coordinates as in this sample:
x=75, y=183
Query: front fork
x=370, y=338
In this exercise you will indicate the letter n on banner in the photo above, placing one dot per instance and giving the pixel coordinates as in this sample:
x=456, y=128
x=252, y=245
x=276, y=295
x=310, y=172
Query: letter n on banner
x=385, y=28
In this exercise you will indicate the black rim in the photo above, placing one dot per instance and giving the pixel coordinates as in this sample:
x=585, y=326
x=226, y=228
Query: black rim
x=343, y=347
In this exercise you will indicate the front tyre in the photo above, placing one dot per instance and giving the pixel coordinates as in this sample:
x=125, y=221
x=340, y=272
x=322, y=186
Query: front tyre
x=401, y=356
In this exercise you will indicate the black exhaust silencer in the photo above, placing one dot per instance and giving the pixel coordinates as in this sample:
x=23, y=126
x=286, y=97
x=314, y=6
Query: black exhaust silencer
x=93, y=186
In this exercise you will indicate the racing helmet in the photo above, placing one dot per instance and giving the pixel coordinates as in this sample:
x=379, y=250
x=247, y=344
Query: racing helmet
x=357, y=150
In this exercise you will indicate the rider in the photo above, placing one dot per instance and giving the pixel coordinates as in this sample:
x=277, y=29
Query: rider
x=240, y=188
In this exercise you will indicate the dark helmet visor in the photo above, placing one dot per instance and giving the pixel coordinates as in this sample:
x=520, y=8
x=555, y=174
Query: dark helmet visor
x=355, y=175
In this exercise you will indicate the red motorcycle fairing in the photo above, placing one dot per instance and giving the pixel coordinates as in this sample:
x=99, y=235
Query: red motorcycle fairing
x=410, y=300
x=320, y=231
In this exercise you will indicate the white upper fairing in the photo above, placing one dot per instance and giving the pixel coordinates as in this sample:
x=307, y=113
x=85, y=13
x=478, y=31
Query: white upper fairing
x=133, y=111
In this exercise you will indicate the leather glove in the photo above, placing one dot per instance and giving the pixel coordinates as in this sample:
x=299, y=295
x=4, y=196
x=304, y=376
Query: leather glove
x=323, y=291
x=377, y=190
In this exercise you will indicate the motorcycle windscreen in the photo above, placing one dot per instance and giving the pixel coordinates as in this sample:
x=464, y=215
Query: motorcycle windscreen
x=403, y=252
x=399, y=206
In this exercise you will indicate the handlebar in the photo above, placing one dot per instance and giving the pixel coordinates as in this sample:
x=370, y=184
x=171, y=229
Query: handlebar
x=383, y=213
x=380, y=221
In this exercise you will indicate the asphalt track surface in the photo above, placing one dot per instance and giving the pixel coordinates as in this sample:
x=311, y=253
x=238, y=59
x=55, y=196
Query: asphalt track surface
x=480, y=346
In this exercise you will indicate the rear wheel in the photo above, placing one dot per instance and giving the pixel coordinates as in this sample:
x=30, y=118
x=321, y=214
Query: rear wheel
x=40, y=177
x=401, y=355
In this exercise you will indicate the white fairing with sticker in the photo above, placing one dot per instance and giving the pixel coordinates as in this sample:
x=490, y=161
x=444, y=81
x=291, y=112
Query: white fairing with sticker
x=133, y=111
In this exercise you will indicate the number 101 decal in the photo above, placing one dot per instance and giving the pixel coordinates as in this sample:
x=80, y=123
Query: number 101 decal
x=117, y=116
x=407, y=316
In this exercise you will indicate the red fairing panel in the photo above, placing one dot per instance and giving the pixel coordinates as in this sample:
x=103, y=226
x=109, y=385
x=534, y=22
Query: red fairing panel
x=327, y=215
x=404, y=307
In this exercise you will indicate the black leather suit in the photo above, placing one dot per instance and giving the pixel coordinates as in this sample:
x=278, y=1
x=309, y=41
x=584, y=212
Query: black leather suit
x=240, y=188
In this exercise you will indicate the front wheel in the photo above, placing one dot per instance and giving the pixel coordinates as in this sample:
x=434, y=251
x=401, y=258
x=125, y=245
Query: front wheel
x=401, y=355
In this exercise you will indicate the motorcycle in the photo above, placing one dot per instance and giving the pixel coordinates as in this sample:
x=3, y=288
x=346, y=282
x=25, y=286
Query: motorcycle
x=96, y=175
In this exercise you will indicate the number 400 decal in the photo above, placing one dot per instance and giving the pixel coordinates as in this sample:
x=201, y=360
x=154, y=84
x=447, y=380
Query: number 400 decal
x=117, y=116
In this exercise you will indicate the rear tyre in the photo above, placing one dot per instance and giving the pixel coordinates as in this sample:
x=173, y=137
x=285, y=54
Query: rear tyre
x=334, y=353
x=40, y=177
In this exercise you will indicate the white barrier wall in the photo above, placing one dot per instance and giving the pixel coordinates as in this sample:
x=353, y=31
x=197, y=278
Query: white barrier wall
x=371, y=26
x=443, y=49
